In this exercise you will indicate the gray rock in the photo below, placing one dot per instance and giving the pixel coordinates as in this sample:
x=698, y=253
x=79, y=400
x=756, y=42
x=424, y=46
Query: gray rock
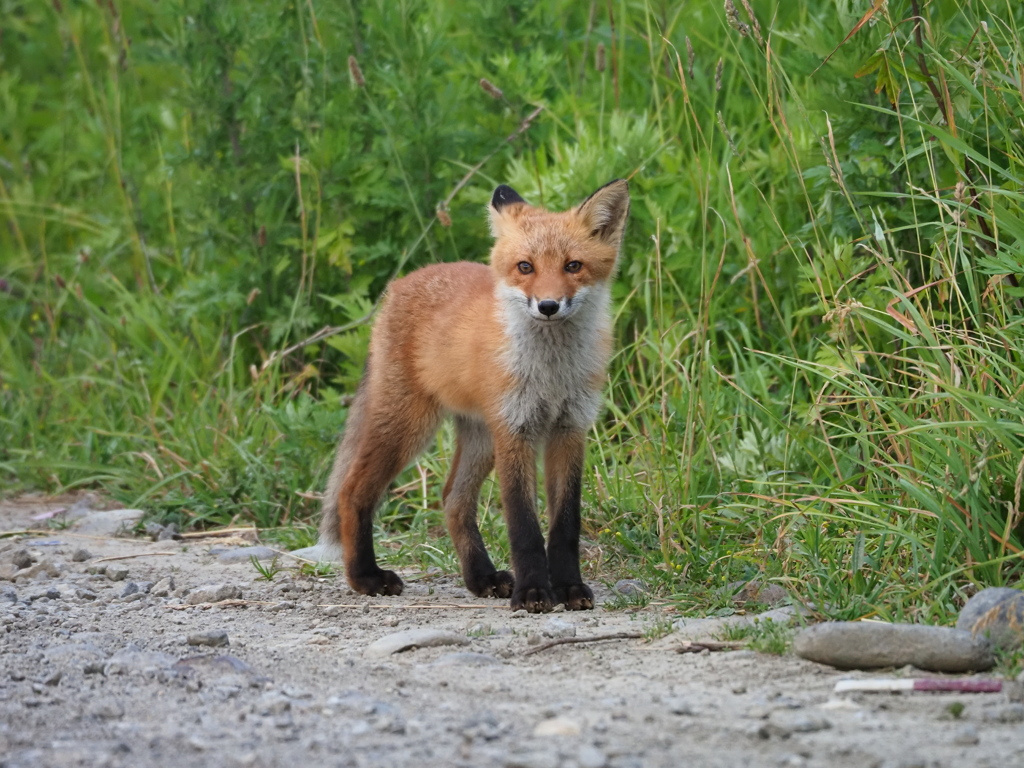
x=53, y=678
x=20, y=559
x=868, y=645
x=106, y=709
x=283, y=605
x=214, y=638
x=557, y=727
x=80, y=555
x=410, y=639
x=243, y=554
x=163, y=588
x=130, y=588
x=783, y=724
x=1008, y=713
x=629, y=587
x=996, y=613
x=966, y=737
x=111, y=522
x=42, y=566
x=117, y=572
x=213, y=593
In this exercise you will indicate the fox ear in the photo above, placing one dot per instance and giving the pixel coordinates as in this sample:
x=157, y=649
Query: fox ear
x=503, y=197
x=605, y=211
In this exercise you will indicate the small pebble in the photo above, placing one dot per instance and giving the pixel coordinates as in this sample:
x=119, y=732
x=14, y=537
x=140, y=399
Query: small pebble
x=21, y=559
x=966, y=737
x=80, y=555
x=163, y=588
x=213, y=638
x=629, y=587
x=130, y=588
x=117, y=572
x=557, y=726
x=213, y=593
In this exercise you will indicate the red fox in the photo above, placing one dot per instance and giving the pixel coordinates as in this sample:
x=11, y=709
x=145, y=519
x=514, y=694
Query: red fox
x=516, y=353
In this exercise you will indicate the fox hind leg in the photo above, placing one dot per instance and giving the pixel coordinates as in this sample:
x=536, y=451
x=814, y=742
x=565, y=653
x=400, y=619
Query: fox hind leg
x=474, y=459
x=383, y=447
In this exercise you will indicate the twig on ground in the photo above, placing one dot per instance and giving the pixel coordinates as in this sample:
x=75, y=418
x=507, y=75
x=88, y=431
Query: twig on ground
x=218, y=533
x=592, y=639
x=137, y=554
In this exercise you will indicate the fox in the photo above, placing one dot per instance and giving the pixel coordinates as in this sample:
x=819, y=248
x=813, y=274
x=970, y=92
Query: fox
x=515, y=351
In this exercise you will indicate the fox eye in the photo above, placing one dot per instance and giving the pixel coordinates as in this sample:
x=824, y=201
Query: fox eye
x=573, y=266
x=525, y=267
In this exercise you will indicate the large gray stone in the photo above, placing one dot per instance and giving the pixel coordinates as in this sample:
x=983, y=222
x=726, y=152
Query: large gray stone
x=112, y=522
x=412, y=638
x=869, y=644
x=996, y=613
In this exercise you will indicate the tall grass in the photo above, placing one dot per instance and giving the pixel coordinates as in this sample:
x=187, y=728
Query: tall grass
x=819, y=377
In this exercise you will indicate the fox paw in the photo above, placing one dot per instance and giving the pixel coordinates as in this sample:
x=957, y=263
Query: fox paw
x=379, y=582
x=576, y=597
x=494, y=584
x=533, y=599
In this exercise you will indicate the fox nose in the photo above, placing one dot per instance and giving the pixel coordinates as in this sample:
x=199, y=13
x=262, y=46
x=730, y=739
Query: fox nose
x=547, y=307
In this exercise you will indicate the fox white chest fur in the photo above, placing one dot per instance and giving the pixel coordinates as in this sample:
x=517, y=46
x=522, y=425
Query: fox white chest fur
x=555, y=364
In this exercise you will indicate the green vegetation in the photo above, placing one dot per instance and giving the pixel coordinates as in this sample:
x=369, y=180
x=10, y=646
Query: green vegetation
x=266, y=572
x=820, y=374
x=766, y=636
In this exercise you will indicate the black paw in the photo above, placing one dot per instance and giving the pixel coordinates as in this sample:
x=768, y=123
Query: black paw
x=378, y=582
x=576, y=597
x=533, y=599
x=493, y=584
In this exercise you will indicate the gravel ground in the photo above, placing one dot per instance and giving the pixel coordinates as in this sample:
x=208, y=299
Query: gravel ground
x=125, y=663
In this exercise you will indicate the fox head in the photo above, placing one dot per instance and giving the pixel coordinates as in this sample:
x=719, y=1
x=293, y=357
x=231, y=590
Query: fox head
x=551, y=266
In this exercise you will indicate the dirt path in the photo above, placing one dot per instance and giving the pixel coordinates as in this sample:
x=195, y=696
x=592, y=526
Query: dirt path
x=94, y=674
